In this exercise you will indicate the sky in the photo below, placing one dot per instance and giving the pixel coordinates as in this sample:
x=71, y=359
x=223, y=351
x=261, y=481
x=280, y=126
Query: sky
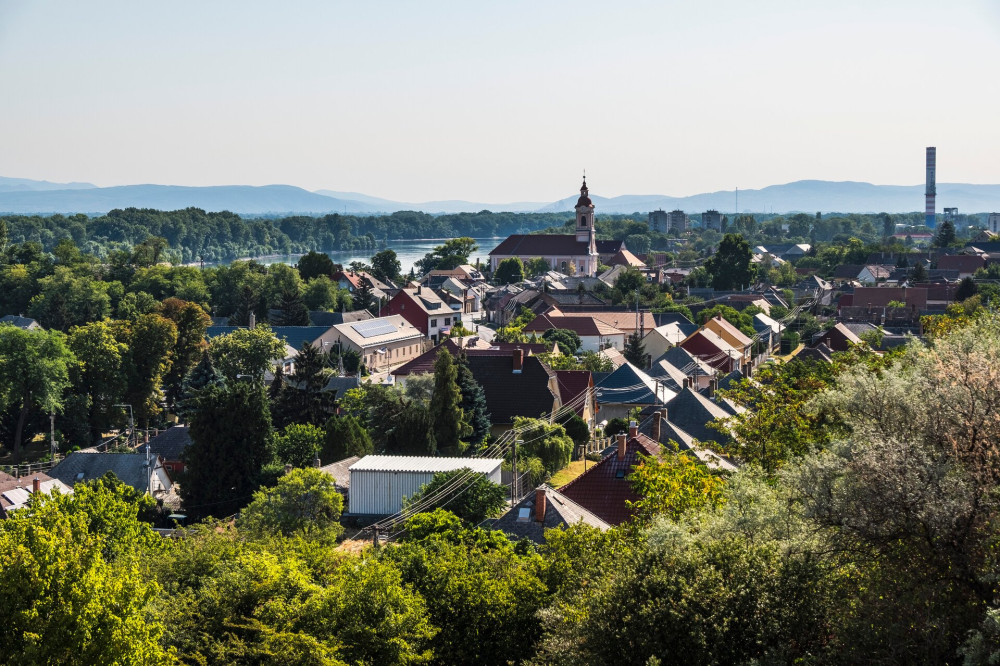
x=501, y=101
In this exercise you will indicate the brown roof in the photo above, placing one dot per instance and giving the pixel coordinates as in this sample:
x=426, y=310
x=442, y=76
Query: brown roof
x=625, y=258
x=605, y=489
x=579, y=324
x=510, y=394
x=425, y=362
x=531, y=245
x=963, y=263
x=573, y=383
x=882, y=296
x=623, y=321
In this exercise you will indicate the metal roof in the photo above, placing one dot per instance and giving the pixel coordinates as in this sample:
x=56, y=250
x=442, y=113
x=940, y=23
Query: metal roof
x=424, y=464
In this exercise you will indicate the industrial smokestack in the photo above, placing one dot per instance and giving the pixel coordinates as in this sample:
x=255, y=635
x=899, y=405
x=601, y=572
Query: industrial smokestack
x=930, y=205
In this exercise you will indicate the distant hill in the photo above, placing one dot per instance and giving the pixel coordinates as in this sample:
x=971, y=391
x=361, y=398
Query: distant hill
x=22, y=196
x=242, y=199
x=25, y=185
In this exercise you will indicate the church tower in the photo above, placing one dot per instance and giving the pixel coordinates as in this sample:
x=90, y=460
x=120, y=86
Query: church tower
x=584, y=215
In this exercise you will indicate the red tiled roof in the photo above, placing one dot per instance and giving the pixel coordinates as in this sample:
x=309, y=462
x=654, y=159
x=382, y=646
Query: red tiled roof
x=579, y=324
x=881, y=296
x=530, y=245
x=963, y=263
x=605, y=489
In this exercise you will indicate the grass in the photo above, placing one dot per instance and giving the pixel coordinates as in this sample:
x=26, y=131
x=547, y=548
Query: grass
x=568, y=473
x=789, y=357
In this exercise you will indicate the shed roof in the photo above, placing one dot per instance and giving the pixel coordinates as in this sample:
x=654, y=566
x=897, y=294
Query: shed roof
x=424, y=464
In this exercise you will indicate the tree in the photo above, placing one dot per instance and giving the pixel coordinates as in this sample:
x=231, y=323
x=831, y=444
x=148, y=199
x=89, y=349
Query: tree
x=536, y=266
x=673, y=485
x=364, y=297
x=191, y=322
x=314, y=264
x=577, y=429
x=34, y=373
x=473, y=403
x=635, y=350
x=305, y=502
x=730, y=266
x=201, y=376
x=299, y=444
x=230, y=432
x=452, y=254
x=569, y=341
x=411, y=432
x=150, y=340
x=291, y=310
x=73, y=586
x=321, y=293
x=345, y=437
x=469, y=495
x=919, y=272
x=446, y=414
x=967, y=288
x=304, y=398
x=65, y=300
x=888, y=225
x=246, y=351
x=386, y=266
x=946, y=234
x=546, y=441
x=509, y=271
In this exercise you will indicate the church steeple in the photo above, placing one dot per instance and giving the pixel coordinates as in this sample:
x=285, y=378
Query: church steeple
x=584, y=214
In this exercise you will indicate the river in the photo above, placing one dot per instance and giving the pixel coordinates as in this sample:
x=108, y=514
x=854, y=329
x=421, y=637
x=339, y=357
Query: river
x=409, y=252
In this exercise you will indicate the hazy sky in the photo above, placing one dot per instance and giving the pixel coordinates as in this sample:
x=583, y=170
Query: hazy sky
x=500, y=101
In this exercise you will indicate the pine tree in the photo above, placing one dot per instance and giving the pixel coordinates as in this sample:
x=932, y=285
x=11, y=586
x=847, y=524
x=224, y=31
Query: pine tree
x=292, y=311
x=635, y=350
x=303, y=399
x=363, y=296
x=230, y=436
x=945, y=235
x=446, y=414
x=919, y=272
x=246, y=304
x=204, y=375
x=345, y=437
x=473, y=403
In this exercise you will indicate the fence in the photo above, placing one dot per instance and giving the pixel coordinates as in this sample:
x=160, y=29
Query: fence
x=518, y=490
x=27, y=469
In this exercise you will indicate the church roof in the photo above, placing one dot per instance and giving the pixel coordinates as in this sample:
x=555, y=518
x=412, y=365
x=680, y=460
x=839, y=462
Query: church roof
x=584, y=199
x=535, y=245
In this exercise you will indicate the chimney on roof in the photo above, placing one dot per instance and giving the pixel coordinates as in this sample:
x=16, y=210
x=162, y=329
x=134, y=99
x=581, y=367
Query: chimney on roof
x=656, y=426
x=687, y=382
x=540, y=505
x=253, y=320
x=622, y=443
x=633, y=429
x=418, y=289
x=36, y=485
x=713, y=386
x=518, y=360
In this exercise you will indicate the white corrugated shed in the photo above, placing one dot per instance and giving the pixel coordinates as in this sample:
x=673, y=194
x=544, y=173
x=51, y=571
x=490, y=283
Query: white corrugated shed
x=379, y=484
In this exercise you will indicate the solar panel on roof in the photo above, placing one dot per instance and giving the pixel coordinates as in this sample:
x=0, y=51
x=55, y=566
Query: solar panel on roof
x=374, y=328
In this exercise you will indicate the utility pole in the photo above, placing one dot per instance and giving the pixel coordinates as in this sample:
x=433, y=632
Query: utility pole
x=52, y=435
x=514, y=484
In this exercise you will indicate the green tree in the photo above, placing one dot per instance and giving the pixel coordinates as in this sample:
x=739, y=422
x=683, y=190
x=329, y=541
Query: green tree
x=315, y=264
x=291, y=310
x=509, y=271
x=150, y=339
x=537, y=266
x=304, y=502
x=345, y=437
x=304, y=398
x=411, y=432
x=65, y=300
x=730, y=266
x=364, y=297
x=299, y=444
x=386, y=266
x=249, y=352
x=469, y=495
x=446, y=414
x=967, y=288
x=321, y=293
x=577, y=429
x=191, y=322
x=99, y=377
x=569, y=341
x=919, y=272
x=34, y=374
x=202, y=375
x=945, y=236
x=73, y=586
x=452, y=254
x=546, y=441
x=635, y=350
x=673, y=485
x=230, y=430
x=473, y=404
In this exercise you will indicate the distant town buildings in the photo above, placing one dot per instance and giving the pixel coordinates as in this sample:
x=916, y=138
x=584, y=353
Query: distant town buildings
x=993, y=223
x=659, y=220
x=679, y=222
x=711, y=219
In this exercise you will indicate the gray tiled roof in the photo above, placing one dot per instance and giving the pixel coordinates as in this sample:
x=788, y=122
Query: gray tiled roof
x=19, y=321
x=328, y=319
x=340, y=471
x=130, y=468
x=559, y=510
x=170, y=444
x=692, y=412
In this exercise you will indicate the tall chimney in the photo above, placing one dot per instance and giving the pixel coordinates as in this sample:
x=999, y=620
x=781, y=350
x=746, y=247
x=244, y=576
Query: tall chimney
x=36, y=485
x=930, y=205
x=633, y=429
x=622, y=443
x=657, y=417
x=518, y=360
x=540, y=505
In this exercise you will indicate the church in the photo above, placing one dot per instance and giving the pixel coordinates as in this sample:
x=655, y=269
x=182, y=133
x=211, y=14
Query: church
x=573, y=254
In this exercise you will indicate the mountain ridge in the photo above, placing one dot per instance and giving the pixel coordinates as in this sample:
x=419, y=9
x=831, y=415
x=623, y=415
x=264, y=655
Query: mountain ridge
x=42, y=197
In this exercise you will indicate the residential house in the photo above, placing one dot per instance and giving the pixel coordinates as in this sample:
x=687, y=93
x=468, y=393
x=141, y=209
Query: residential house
x=514, y=385
x=625, y=258
x=544, y=509
x=706, y=345
x=699, y=372
x=594, y=333
x=16, y=491
x=25, y=323
x=470, y=346
x=133, y=469
x=668, y=434
x=625, y=389
x=575, y=389
x=733, y=336
x=692, y=412
x=605, y=489
x=169, y=446
x=769, y=331
x=293, y=338
x=874, y=273
x=622, y=319
x=425, y=310
x=382, y=343
x=965, y=264
x=662, y=338
x=839, y=338
x=340, y=471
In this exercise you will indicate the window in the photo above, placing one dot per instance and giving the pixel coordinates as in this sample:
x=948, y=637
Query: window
x=447, y=321
x=434, y=323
